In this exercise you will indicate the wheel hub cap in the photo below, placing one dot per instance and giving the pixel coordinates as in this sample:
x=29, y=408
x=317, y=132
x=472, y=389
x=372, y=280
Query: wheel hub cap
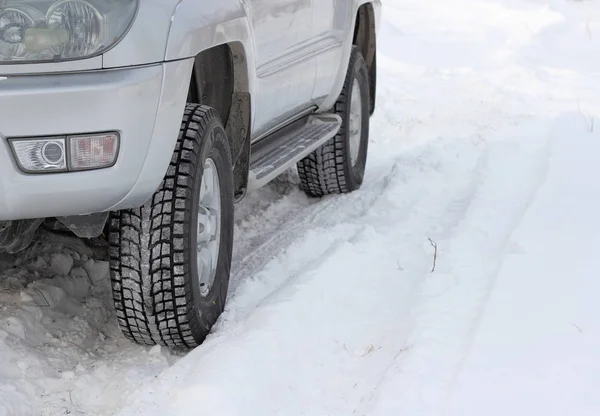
x=355, y=127
x=209, y=227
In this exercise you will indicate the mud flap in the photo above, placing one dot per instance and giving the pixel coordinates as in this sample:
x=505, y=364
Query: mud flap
x=85, y=226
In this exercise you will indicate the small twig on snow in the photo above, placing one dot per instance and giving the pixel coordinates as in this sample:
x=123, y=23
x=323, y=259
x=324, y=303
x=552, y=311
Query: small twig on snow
x=370, y=350
x=401, y=351
x=47, y=305
x=434, y=245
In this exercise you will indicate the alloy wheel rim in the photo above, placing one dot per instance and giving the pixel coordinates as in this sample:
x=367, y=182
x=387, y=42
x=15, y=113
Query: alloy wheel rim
x=208, y=237
x=355, y=124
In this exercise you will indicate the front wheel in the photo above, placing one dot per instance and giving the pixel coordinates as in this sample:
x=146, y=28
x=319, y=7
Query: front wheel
x=170, y=259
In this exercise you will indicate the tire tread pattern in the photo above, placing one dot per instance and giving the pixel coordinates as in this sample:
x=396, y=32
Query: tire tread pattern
x=153, y=302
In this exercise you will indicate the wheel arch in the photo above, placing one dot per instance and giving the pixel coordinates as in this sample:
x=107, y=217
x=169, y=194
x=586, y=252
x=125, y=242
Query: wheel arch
x=222, y=49
x=219, y=80
x=365, y=39
x=363, y=25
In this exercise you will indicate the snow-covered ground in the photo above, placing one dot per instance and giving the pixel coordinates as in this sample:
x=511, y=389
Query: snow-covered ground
x=486, y=145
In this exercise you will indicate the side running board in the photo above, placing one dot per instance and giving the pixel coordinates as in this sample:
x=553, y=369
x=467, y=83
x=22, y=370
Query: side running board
x=275, y=154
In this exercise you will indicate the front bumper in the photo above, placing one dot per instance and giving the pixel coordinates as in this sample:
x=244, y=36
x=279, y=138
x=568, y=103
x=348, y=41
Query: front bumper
x=144, y=104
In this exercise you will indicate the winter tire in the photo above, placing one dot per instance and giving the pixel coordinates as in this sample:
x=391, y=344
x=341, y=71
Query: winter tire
x=339, y=165
x=170, y=259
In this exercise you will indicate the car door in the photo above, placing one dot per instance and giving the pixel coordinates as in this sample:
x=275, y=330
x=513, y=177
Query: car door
x=286, y=69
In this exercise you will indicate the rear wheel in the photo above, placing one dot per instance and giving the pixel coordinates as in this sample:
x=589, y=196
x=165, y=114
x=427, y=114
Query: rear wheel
x=170, y=259
x=339, y=165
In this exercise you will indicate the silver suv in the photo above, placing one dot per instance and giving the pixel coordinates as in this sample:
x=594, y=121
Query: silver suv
x=146, y=120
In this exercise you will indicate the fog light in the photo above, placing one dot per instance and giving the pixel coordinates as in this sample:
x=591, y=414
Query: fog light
x=93, y=151
x=40, y=155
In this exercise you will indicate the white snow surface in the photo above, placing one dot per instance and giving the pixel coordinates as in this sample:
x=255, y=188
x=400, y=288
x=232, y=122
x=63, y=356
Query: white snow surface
x=485, y=144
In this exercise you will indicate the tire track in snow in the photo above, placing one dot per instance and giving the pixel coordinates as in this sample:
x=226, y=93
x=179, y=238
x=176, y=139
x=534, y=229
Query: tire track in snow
x=336, y=219
x=461, y=167
x=451, y=300
x=296, y=222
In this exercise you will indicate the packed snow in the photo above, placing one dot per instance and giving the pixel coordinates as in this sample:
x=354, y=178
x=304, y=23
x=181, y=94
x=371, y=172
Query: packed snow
x=460, y=280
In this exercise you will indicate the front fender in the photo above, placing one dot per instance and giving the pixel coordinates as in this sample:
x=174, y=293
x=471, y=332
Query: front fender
x=202, y=24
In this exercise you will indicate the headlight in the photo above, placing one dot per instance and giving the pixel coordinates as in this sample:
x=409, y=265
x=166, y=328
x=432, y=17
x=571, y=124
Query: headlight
x=54, y=31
